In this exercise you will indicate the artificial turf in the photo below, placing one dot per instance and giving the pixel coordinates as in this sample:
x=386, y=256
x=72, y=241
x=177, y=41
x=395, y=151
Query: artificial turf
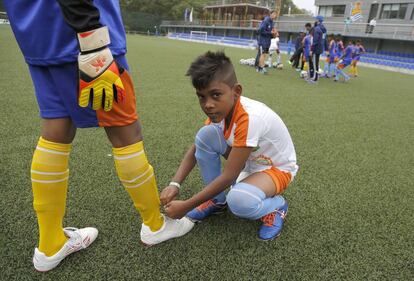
x=351, y=204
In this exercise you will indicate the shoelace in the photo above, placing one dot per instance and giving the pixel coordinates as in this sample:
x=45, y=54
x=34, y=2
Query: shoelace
x=205, y=205
x=269, y=219
x=76, y=238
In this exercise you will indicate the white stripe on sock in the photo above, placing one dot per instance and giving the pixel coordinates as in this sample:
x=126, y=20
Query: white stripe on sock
x=128, y=156
x=52, y=151
x=52, y=181
x=144, y=181
x=140, y=176
x=49, y=173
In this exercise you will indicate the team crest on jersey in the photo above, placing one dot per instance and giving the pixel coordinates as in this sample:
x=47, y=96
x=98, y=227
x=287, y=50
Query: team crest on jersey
x=263, y=160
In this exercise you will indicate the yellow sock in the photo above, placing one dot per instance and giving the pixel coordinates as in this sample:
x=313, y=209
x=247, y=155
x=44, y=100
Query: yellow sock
x=50, y=175
x=137, y=176
x=356, y=70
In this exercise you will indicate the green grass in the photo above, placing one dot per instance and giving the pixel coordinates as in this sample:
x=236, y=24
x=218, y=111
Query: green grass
x=351, y=205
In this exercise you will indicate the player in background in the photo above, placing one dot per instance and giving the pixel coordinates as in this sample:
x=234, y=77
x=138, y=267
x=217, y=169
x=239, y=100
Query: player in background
x=319, y=45
x=75, y=51
x=266, y=32
x=297, y=55
x=307, y=53
x=261, y=159
x=274, y=49
x=359, y=50
x=344, y=61
x=339, y=47
x=330, y=65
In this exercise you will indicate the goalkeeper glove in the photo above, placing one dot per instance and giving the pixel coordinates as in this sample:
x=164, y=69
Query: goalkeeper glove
x=99, y=74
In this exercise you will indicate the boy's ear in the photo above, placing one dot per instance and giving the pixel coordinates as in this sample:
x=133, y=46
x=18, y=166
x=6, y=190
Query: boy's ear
x=237, y=89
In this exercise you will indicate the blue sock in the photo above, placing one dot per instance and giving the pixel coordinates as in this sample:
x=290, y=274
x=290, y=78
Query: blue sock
x=341, y=72
x=326, y=69
x=210, y=145
x=250, y=202
x=336, y=73
x=346, y=76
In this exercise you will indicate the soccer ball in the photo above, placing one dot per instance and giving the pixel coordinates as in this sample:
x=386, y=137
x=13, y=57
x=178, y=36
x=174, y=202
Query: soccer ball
x=320, y=72
x=303, y=74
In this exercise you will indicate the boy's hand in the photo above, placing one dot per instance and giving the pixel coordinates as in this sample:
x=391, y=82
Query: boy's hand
x=168, y=194
x=177, y=209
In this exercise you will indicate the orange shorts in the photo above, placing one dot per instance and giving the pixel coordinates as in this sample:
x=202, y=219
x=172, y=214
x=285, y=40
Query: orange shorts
x=123, y=113
x=280, y=179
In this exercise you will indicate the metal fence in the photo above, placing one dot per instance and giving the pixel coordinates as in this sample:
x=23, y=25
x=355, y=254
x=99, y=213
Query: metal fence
x=139, y=22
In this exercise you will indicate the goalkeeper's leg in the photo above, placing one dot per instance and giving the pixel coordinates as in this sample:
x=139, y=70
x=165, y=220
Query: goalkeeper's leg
x=49, y=174
x=135, y=173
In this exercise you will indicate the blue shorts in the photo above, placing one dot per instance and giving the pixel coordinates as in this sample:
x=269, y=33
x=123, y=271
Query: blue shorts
x=344, y=64
x=264, y=49
x=57, y=88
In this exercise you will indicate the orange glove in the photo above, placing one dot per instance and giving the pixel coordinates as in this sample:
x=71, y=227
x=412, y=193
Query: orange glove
x=99, y=74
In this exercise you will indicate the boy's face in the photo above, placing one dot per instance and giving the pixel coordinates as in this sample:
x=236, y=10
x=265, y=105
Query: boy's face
x=217, y=100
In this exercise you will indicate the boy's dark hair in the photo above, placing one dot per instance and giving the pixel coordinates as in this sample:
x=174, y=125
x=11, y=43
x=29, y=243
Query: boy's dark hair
x=210, y=67
x=308, y=24
x=358, y=41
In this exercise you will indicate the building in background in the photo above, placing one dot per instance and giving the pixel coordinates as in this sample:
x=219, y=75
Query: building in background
x=394, y=28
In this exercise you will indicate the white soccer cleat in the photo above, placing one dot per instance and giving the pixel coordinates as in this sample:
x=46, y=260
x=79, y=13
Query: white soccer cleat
x=170, y=229
x=78, y=239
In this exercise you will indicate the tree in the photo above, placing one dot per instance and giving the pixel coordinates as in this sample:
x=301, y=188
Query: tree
x=293, y=8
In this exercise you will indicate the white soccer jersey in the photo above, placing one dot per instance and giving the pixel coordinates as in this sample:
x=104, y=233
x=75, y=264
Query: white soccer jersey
x=274, y=44
x=256, y=125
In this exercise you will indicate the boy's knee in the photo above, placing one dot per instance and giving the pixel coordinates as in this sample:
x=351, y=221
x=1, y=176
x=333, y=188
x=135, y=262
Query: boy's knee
x=206, y=132
x=243, y=201
x=209, y=138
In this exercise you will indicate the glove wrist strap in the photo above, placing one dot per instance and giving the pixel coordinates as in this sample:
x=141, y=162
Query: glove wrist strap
x=94, y=39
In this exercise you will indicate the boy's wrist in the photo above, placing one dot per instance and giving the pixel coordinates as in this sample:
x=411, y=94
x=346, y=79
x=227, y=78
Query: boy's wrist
x=191, y=203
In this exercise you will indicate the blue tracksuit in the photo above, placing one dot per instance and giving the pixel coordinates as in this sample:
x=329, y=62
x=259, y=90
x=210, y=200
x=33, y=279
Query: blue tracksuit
x=265, y=32
x=319, y=41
